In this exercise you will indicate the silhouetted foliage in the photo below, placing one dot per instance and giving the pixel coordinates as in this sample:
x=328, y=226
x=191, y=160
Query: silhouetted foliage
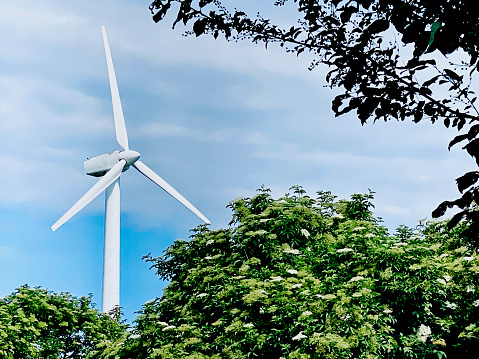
x=391, y=59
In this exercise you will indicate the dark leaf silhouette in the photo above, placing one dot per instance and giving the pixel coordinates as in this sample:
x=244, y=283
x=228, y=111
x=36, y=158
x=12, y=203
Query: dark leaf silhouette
x=452, y=75
x=378, y=26
x=457, y=139
x=456, y=219
x=371, y=72
x=441, y=209
x=473, y=149
x=467, y=180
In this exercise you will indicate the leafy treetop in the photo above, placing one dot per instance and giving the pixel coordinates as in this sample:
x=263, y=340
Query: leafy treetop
x=36, y=323
x=298, y=277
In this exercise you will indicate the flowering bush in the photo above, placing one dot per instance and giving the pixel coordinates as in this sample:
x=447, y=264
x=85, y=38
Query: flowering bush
x=303, y=278
x=36, y=323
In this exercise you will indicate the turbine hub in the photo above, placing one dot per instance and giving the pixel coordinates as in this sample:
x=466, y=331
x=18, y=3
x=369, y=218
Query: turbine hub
x=129, y=156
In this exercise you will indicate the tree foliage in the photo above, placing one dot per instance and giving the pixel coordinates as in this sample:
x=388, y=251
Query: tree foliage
x=298, y=277
x=392, y=59
x=36, y=323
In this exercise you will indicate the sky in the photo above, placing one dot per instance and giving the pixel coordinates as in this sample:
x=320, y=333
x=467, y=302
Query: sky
x=215, y=119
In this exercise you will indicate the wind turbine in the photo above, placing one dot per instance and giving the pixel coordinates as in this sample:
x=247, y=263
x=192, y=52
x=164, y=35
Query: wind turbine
x=109, y=167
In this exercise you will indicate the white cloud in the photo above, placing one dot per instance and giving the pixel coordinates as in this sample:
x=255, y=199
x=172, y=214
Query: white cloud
x=5, y=251
x=393, y=211
x=162, y=129
x=35, y=181
x=51, y=152
x=46, y=109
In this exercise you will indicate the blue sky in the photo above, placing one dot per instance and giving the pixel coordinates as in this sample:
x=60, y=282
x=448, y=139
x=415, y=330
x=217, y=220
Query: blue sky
x=215, y=119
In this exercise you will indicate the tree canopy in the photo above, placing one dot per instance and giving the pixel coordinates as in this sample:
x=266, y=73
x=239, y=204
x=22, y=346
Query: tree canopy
x=36, y=323
x=298, y=277
x=391, y=59
x=293, y=277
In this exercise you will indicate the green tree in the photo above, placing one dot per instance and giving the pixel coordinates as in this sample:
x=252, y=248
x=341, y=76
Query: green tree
x=391, y=59
x=36, y=323
x=290, y=279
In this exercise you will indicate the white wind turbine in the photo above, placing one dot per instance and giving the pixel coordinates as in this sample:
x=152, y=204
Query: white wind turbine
x=110, y=166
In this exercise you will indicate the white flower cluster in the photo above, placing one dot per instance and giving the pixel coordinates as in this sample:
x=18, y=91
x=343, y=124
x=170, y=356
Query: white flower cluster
x=450, y=305
x=292, y=251
x=423, y=333
x=299, y=336
x=343, y=250
x=276, y=279
x=359, y=228
x=166, y=326
x=305, y=232
x=292, y=271
x=444, y=279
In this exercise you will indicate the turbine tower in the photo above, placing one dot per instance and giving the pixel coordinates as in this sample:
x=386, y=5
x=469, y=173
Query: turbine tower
x=109, y=167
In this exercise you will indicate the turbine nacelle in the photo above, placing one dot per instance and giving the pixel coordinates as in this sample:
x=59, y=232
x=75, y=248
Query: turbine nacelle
x=98, y=166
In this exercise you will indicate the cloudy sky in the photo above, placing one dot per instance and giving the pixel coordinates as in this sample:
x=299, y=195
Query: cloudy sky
x=215, y=119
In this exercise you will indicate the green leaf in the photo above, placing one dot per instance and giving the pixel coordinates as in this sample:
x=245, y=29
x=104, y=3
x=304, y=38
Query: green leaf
x=434, y=28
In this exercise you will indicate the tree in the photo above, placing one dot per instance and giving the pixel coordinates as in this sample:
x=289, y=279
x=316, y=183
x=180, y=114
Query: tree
x=36, y=323
x=380, y=77
x=307, y=278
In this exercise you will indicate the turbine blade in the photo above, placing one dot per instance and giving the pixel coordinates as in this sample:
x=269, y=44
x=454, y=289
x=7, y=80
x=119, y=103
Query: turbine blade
x=121, y=135
x=145, y=170
x=102, y=184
